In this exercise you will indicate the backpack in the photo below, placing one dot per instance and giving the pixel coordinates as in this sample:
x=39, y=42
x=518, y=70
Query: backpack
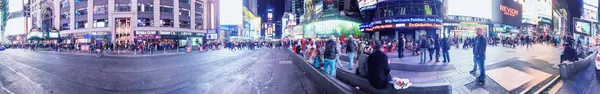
x=431, y=43
x=350, y=46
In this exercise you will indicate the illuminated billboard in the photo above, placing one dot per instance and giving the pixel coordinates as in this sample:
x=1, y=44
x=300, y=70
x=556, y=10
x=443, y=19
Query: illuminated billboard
x=589, y=13
x=364, y=3
x=507, y=12
x=475, y=8
x=583, y=27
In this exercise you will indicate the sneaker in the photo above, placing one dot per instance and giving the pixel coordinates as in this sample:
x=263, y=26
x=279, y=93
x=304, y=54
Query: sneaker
x=480, y=82
x=472, y=72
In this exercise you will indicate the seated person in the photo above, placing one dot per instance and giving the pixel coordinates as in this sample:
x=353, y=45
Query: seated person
x=378, y=70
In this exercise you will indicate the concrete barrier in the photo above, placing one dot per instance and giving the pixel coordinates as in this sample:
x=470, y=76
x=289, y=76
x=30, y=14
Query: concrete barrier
x=324, y=83
x=363, y=84
x=568, y=68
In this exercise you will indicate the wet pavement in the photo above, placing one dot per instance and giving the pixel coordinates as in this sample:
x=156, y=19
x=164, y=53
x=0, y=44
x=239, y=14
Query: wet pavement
x=212, y=72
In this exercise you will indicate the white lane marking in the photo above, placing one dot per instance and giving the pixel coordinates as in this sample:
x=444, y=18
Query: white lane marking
x=2, y=86
x=39, y=86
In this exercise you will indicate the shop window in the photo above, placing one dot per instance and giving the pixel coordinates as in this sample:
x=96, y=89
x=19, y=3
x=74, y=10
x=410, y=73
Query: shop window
x=65, y=26
x=166, y=23
x=64, y=3
x=148, y=7
x=184, y=1
x=65, y=15
x=166, y=9
x=184, y=12
x=100, y=9
x=80, y=12
x=80, y=24
x=80, y=1
x=184, y=24
x=122, y=7
x=145, y=22
x=199, y=26
x=101, y=23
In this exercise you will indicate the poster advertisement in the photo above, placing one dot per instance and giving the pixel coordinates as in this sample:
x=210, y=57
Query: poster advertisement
x=583, y=27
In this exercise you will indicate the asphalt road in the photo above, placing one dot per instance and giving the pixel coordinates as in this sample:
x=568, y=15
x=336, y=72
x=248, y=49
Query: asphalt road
x=214, y=72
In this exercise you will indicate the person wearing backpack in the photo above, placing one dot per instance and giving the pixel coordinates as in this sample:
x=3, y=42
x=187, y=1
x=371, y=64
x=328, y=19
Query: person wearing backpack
x=423, y=45
x=330, y=55
x=351, y=46
x=431, y=45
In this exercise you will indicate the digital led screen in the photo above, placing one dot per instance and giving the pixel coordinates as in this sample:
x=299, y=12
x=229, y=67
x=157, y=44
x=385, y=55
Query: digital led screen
x=507, y=12
x=472, y=8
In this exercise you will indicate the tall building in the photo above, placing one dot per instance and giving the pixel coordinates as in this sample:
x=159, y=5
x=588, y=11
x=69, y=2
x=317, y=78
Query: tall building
x=252, y=5
x=120, y=21
x=297, y=7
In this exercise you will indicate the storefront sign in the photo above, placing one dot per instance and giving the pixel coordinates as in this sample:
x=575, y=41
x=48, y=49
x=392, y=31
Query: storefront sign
x=167, y=33
x=53, y=35
x=145, y=32
x=186, y=33
x=590, y=13
x=451, y=24
x=99, y=33
x=466, y=18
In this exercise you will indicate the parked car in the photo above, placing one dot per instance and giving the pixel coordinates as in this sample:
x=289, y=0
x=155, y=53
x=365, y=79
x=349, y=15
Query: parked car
x=2, y=48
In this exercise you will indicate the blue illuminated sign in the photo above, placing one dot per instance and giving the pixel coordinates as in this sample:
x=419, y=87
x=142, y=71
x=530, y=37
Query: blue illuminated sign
x=407, y=20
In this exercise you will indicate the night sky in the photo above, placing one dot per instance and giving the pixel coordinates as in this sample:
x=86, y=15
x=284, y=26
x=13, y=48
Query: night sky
x=278, y=9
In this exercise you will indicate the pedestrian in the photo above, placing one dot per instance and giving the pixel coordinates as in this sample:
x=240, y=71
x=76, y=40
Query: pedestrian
x=479, y=55
x=436, y=48
x=423, y=45
x=401, y=43
x=339, y=52
x=431, y=44
x=445, y=44
x=350, y=49
x=330, y=55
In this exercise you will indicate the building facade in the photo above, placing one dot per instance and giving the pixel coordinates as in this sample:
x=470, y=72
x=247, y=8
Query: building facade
x=121, y=21
x=413, y=18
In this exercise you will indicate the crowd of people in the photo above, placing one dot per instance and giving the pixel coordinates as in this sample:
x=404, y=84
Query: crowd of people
x=374, y=66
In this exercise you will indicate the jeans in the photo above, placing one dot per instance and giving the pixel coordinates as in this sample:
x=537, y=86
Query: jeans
x=423, y=56
x=351, y=57
x=317, y=62
x=329, y=67
x=479, y=62
x=431, y=53
x=446, y=55
x=400, y=52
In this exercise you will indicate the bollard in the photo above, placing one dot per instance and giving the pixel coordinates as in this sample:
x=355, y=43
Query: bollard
x=164, y=50
x=118, y=51
x=134, y=52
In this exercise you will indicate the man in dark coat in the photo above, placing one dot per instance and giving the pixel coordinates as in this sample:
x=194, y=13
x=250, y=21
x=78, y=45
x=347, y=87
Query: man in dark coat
x=401, y=46
x=378, y=68
x=445, y=44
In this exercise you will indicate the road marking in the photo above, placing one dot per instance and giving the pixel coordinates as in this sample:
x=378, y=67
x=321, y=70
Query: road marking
x=285, y=62
x=2, y=86
x=26, y=78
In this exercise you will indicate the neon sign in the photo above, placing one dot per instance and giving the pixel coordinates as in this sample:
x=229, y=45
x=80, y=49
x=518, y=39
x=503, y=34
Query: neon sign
x=509, y=11
x=424, y=25
x=407, y=20
x=383, y=26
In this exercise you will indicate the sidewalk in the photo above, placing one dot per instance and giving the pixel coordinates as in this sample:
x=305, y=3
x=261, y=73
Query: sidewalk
x=116, y=53
x=532, y=67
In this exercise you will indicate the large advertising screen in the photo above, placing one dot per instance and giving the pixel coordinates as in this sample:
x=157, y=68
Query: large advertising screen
x=591, y=2
x=364, y=3
x=507, y=12
x=590, y=13
x=583, y=27
x=471, y=8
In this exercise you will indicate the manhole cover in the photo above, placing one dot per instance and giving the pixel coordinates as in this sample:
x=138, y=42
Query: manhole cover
x=285, y=62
